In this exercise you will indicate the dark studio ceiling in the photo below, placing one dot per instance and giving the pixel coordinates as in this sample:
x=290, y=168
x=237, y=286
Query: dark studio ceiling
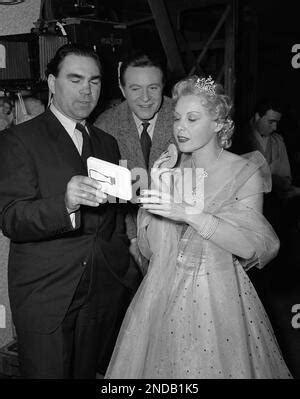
x=183, y=30
x=280, y=11
x=123, y=10
x=187, y=32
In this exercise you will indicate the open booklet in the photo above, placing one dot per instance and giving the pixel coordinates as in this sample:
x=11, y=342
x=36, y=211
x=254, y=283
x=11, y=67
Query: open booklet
x=115, y=179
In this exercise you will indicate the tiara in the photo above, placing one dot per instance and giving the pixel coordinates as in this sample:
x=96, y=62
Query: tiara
x=208, y=85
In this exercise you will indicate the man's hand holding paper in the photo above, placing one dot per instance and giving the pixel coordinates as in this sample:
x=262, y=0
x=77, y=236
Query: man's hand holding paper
x=114, y=180
x=82, y=190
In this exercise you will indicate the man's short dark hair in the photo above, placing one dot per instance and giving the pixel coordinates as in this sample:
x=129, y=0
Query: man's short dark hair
x=140, y=59
x=265, y=105
x=54, y=64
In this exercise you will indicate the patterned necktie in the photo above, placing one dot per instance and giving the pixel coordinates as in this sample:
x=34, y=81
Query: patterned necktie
x=146, y=142
x=86, y=143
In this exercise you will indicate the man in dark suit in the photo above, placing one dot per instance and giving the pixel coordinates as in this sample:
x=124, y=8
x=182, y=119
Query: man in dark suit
x=69, y=255
x=142, y=125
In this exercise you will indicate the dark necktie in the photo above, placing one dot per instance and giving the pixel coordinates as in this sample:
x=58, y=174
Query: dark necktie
x=146, y=142
x=86, y=143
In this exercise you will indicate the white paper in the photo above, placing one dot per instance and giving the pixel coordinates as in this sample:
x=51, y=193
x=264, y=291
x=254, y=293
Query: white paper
x=115, y=179
x=2, y=317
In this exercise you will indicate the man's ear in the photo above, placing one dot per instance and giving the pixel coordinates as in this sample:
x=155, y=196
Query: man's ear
x=256, y=117
x=51, y=83
x=122, y=90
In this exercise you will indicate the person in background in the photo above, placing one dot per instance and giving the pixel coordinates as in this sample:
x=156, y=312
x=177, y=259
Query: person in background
x=262, y=135
x=28, y=108
x=6, y=113
x=34, y=106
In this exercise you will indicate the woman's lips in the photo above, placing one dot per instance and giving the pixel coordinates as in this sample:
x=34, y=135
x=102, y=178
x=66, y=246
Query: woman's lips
x=182, y=139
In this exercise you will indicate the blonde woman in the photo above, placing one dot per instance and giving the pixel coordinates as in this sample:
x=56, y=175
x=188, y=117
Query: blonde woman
x=196, y=313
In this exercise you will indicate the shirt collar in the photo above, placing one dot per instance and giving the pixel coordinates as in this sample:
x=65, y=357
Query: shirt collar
x=68, y=124
x=139, y=123
x=260, y=136
x=256, y=133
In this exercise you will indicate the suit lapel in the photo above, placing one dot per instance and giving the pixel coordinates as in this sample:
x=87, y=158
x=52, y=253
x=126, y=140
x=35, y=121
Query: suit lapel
x=161, y=136
x=130, y=141
x=100, y=150
x=64, y=145
x=158, y=140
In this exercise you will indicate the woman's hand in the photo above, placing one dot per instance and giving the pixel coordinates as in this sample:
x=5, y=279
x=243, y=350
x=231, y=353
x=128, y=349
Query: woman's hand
x=163, y=204
x=158, y=181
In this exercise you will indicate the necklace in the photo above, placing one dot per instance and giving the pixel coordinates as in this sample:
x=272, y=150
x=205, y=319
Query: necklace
x=200, y=180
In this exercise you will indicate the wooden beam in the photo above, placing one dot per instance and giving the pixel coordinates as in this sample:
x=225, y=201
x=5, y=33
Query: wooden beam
x=211, y=38
x=188, y=4
x=220, y=74
x=184, y=47
x=199, y=45
x=167, y=37
x=139, y=21
x=229, y=56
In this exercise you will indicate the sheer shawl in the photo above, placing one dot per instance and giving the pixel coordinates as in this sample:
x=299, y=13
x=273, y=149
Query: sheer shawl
x=228, y=203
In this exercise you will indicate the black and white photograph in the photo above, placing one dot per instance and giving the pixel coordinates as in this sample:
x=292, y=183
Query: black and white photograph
x=149, y=194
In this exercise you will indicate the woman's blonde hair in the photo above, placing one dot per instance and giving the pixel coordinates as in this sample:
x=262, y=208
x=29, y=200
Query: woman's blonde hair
x=217, y=104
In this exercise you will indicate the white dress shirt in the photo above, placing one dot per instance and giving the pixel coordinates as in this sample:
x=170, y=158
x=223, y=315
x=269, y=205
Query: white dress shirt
x=263, y=140
x=70, y=127
x=75, y=135
x=139, y=125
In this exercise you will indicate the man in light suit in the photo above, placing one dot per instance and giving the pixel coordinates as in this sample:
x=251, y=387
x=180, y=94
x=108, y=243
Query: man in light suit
x=141, y=80
x=69, y=254
x=262, y=136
